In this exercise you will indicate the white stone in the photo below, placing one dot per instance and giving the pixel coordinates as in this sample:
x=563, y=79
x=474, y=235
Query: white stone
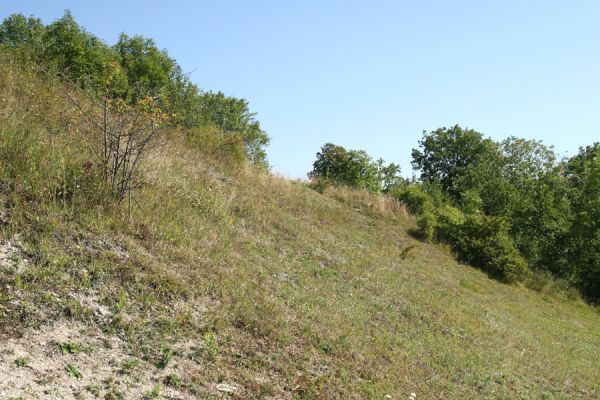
x=223, y=387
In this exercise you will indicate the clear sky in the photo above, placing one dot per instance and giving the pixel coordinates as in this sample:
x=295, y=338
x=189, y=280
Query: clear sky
x=373, y=75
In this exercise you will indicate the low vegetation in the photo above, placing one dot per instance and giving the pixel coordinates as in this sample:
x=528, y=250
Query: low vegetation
x=221, y=280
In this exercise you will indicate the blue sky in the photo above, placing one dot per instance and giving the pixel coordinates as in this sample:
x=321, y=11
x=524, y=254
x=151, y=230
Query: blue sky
x=373, y=75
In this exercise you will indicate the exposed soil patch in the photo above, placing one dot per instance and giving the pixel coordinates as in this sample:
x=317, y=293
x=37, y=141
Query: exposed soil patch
x=73, y=361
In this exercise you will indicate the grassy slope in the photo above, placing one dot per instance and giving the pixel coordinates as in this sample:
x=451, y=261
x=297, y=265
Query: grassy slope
x=288, y=293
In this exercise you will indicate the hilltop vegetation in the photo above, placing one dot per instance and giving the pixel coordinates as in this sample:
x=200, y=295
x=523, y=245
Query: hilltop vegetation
x=510, y=207
x=134, y=68
x=219, y=280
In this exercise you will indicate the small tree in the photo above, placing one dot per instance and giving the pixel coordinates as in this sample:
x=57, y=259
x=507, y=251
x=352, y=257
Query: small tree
x=447, y=156
x=335, y=164
x=338, y=166
x=120, y=133
x=233, y=116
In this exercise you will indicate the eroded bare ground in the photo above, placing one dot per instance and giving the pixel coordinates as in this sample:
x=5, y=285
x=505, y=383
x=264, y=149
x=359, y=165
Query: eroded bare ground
x=69, y=359
x=72, y=361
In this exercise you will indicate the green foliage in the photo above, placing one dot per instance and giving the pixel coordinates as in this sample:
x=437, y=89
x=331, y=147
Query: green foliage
x=164, y=358
x=172, y=380
x=427, y=223
x=128, y=366
x=485, y=242
x=449, y=221
x=73, y=371
x=72, y=347
x=389, y=177
x=135, y=67
x=355, y=168
x=471, y=201
x=17, y=30
x=233, y=116
x=416, y=200
x=583, y=174
x=154, y=393
x=360, y=171
x=482, y=241
x=211, y=345
x=148, y=69
x=522, y=206
x=447, y=155
x=21, y=361
x=75, y=52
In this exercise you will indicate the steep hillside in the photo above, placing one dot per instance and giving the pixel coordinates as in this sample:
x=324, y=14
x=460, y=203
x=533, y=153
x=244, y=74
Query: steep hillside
x=227, y=282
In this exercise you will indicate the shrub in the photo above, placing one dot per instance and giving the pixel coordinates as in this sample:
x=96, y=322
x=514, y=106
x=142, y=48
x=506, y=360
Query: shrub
x=427, y=224
x=484, y=242
x=449, y=222
x=415, y=199
x=471, y=202
x=337, y=166
x=481, y=241
x=172, y=380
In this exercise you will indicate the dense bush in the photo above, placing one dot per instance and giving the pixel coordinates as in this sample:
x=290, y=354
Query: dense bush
x=478, y=240
x=583, y=255
x=449, y=223
x=415, y=199
x=233, y=117
x=485, y=242
x=337, y=166
x=447, y=155
x=509, y=206
x=427, y=225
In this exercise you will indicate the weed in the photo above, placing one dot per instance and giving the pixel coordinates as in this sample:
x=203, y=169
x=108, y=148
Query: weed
x=153, y=393
x=211, y=345
x=14, y=257
x=326, y=346
x=73, y=371
x=18, y=282
x=72, y=347
x=129, y=366
x=172, y=380
x=166, y=355
x=21, y=362
x=114, y=394
x=122, y=301
x=94, y=390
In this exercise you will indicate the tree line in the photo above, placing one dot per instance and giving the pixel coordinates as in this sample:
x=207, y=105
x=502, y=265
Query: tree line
x=512, y=207
x=135, y=69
